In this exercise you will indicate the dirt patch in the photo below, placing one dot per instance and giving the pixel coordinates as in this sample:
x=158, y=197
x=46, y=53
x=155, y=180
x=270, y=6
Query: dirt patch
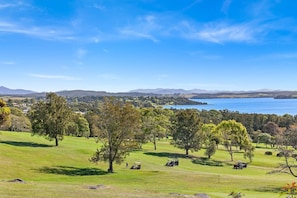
x=95, y=187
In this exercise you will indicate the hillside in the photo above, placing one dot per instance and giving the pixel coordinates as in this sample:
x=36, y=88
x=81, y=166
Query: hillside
x=65, y=171
x=7, y=91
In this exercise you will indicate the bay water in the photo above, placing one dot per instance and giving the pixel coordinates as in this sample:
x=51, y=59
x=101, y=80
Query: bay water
x=246, y=105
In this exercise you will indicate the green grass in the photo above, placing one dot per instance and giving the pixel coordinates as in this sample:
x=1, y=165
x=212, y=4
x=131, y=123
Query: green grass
x=65, y=171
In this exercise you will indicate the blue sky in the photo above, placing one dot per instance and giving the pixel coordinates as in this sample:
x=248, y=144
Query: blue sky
x=122, y=45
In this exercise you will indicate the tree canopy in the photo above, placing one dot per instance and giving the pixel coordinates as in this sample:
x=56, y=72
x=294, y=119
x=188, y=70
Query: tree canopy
x=187, y=130
x=50, y=118
x=117, y=123
x=233, y=134
x=4, y=112
x=155, y=123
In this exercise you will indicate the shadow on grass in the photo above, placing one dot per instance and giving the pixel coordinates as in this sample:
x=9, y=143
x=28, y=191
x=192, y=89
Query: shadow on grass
x=168, y=155
x=269, y=189
x=72, y=171
x=207, y=162
x=25, y=144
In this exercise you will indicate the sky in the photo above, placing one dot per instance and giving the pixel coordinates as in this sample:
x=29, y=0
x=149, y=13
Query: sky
x=123, y=45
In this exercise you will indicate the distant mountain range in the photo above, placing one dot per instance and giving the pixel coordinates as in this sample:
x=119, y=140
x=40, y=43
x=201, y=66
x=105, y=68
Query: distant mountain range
x=193, y=93
x=173, y=91
x=7, y=91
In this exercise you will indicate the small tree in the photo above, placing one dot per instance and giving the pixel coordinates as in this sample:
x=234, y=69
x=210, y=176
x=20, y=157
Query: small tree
x=187, y=130
x=117, y=123
x=4, y=112
x=233, y=134
x=155, y=123
x=78, y=126
x=211, y=139
x=211, y=149
x=50, y=118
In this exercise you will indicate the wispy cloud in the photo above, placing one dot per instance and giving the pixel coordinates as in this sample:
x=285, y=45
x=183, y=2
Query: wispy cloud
x=222, y=32
x=53, y=77
x=11, y=4
x=7, y=63
x=144, y=28
x=50, y=33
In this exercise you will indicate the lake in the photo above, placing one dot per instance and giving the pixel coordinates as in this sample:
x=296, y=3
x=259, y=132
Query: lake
x=246, y=105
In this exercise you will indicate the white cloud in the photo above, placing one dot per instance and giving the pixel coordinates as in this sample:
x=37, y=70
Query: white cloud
x=53, y=77
x=221, y=32
x=50, y=33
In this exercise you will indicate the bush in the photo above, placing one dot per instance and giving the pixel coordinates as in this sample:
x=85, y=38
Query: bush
x=268, y=153
x=280, y=154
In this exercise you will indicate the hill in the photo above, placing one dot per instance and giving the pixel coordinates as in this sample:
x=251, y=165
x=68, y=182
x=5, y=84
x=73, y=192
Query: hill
x=65, y=171
x=7, y=91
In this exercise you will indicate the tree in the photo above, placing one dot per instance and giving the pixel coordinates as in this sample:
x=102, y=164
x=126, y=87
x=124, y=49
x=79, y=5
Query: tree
x=233, y=134
x=291, y=136
x=117, y=122
x=187, y=130
x=50, y=118
x=211, y=139
x=155, y=123
x=92, y=118
x=265, y=138
x=4, y=112
x=18, y=121
x=78, y=126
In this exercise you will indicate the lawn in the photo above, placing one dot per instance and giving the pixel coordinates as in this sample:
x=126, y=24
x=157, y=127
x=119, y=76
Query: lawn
x=65, y=171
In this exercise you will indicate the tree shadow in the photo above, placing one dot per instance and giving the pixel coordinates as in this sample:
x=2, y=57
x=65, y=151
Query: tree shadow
x=269, y=189
x=168, y=155
x=207, y=162
x=25, y=144
x=72, y=171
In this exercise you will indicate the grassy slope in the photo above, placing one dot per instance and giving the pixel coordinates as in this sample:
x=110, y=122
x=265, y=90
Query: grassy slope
x=65, y=171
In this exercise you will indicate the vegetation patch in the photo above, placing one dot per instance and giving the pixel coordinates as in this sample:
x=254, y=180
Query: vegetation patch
x=72, y=171
x=207, y=162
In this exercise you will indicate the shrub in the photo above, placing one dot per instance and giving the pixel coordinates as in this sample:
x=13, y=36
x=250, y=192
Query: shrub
x=268, y=153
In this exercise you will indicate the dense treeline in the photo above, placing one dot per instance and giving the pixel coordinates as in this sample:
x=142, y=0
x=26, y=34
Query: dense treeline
x=252, y=122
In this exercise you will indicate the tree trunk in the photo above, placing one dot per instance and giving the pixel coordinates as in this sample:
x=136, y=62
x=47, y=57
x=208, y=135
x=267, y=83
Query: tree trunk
x=231, y=153
x=154, y=141
x=187, y=152
x=110, y=169
x=56, y=141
